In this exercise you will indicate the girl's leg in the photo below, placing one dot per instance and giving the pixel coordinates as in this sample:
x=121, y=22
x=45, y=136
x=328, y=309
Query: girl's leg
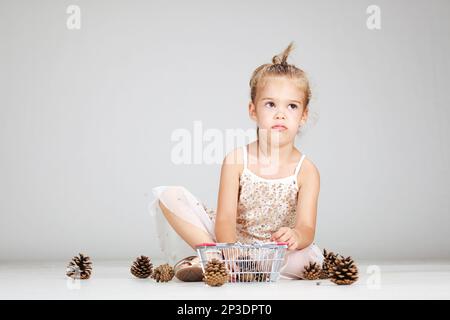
x=190, y=233
x=296, y=261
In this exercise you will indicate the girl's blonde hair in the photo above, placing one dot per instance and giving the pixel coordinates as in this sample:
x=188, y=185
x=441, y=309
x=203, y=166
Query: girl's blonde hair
x=280, y=68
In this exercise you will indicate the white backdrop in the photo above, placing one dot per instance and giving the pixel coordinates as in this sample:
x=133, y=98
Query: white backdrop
x=86, y=118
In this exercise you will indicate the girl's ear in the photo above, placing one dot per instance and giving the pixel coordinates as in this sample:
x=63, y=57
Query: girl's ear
x=304, y=116
x=252, y=110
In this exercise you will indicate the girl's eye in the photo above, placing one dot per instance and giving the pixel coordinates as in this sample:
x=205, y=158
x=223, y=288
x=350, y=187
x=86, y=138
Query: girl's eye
x=272, y=105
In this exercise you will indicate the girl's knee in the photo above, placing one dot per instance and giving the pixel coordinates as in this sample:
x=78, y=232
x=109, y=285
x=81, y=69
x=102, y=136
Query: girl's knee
x=314, y=253
x=296, y=261
x=162, y=206
x=173, y=191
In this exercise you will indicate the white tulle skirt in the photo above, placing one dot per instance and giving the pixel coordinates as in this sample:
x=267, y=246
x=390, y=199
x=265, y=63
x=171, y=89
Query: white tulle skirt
x=184, y=204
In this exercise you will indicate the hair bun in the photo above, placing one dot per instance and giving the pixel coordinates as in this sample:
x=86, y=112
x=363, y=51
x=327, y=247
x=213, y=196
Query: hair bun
x=282, y=57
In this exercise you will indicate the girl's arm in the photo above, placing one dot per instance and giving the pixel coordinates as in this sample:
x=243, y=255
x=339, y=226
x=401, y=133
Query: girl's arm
x=225, y=227
x=308, y=195
x=302, y=235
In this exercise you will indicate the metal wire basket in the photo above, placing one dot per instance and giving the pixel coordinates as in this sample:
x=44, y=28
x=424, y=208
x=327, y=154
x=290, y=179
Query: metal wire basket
x=256, y=262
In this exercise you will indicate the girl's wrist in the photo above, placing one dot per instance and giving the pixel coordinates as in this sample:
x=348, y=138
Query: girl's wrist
x=297, y=238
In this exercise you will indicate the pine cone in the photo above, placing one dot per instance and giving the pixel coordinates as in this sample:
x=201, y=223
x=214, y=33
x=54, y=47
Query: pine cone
x=344, y=272
x=312, y=271
x=328, y=264
x=80, y=267
x=323, y=274
x=246, y=263
x=142, y=267
x=245, y=277
x=163, y=273
x=262, y=277
x=247, y=268
x=216, y=273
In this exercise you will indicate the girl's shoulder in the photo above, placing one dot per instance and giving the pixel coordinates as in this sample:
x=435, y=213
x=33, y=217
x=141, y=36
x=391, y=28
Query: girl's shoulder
x=309, y=173
x=235, y=160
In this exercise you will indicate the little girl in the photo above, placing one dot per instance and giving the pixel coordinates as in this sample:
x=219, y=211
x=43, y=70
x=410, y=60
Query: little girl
x=268, y=189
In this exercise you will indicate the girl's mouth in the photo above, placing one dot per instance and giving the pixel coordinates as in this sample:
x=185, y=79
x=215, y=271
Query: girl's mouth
x=279, y=128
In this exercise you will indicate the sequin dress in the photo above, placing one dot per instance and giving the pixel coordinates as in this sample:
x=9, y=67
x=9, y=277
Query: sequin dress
x=265, y=205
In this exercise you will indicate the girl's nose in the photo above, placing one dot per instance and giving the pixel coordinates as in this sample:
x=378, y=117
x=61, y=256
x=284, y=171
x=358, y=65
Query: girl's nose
x=280, y=115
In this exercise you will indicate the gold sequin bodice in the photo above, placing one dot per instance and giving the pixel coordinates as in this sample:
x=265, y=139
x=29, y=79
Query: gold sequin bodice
x=265, y=205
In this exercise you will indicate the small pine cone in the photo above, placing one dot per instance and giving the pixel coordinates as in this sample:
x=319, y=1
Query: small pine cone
x=245, y=277
x=163, y=273
x=216, y=273
x=142, y=267
x=344, y=272
x=262, y=277
x=80, y=267
x=247, y=268
x=323, y=274
x=246, y=264
x=328, y=263
x=312, y=271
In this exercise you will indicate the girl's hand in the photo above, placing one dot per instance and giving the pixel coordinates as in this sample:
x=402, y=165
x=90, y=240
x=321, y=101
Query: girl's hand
x=288, y=235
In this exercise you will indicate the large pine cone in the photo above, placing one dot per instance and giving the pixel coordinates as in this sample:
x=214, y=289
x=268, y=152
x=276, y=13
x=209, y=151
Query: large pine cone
x=163, y=273
x=216, y=273
x=312, y=271
x=142, y=267
x=344, y=272
x=80, y=267
x=328, y=264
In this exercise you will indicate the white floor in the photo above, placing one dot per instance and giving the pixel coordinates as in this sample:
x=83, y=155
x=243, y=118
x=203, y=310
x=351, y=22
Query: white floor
x=112, y=280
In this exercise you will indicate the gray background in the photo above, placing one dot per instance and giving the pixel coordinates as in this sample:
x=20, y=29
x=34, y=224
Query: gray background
x=86, y=118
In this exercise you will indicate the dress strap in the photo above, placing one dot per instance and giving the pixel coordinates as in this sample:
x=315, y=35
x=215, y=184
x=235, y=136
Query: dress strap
x=244, y=155
x=297, y=169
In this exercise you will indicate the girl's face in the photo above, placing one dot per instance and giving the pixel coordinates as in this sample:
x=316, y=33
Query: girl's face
x=279, y=109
